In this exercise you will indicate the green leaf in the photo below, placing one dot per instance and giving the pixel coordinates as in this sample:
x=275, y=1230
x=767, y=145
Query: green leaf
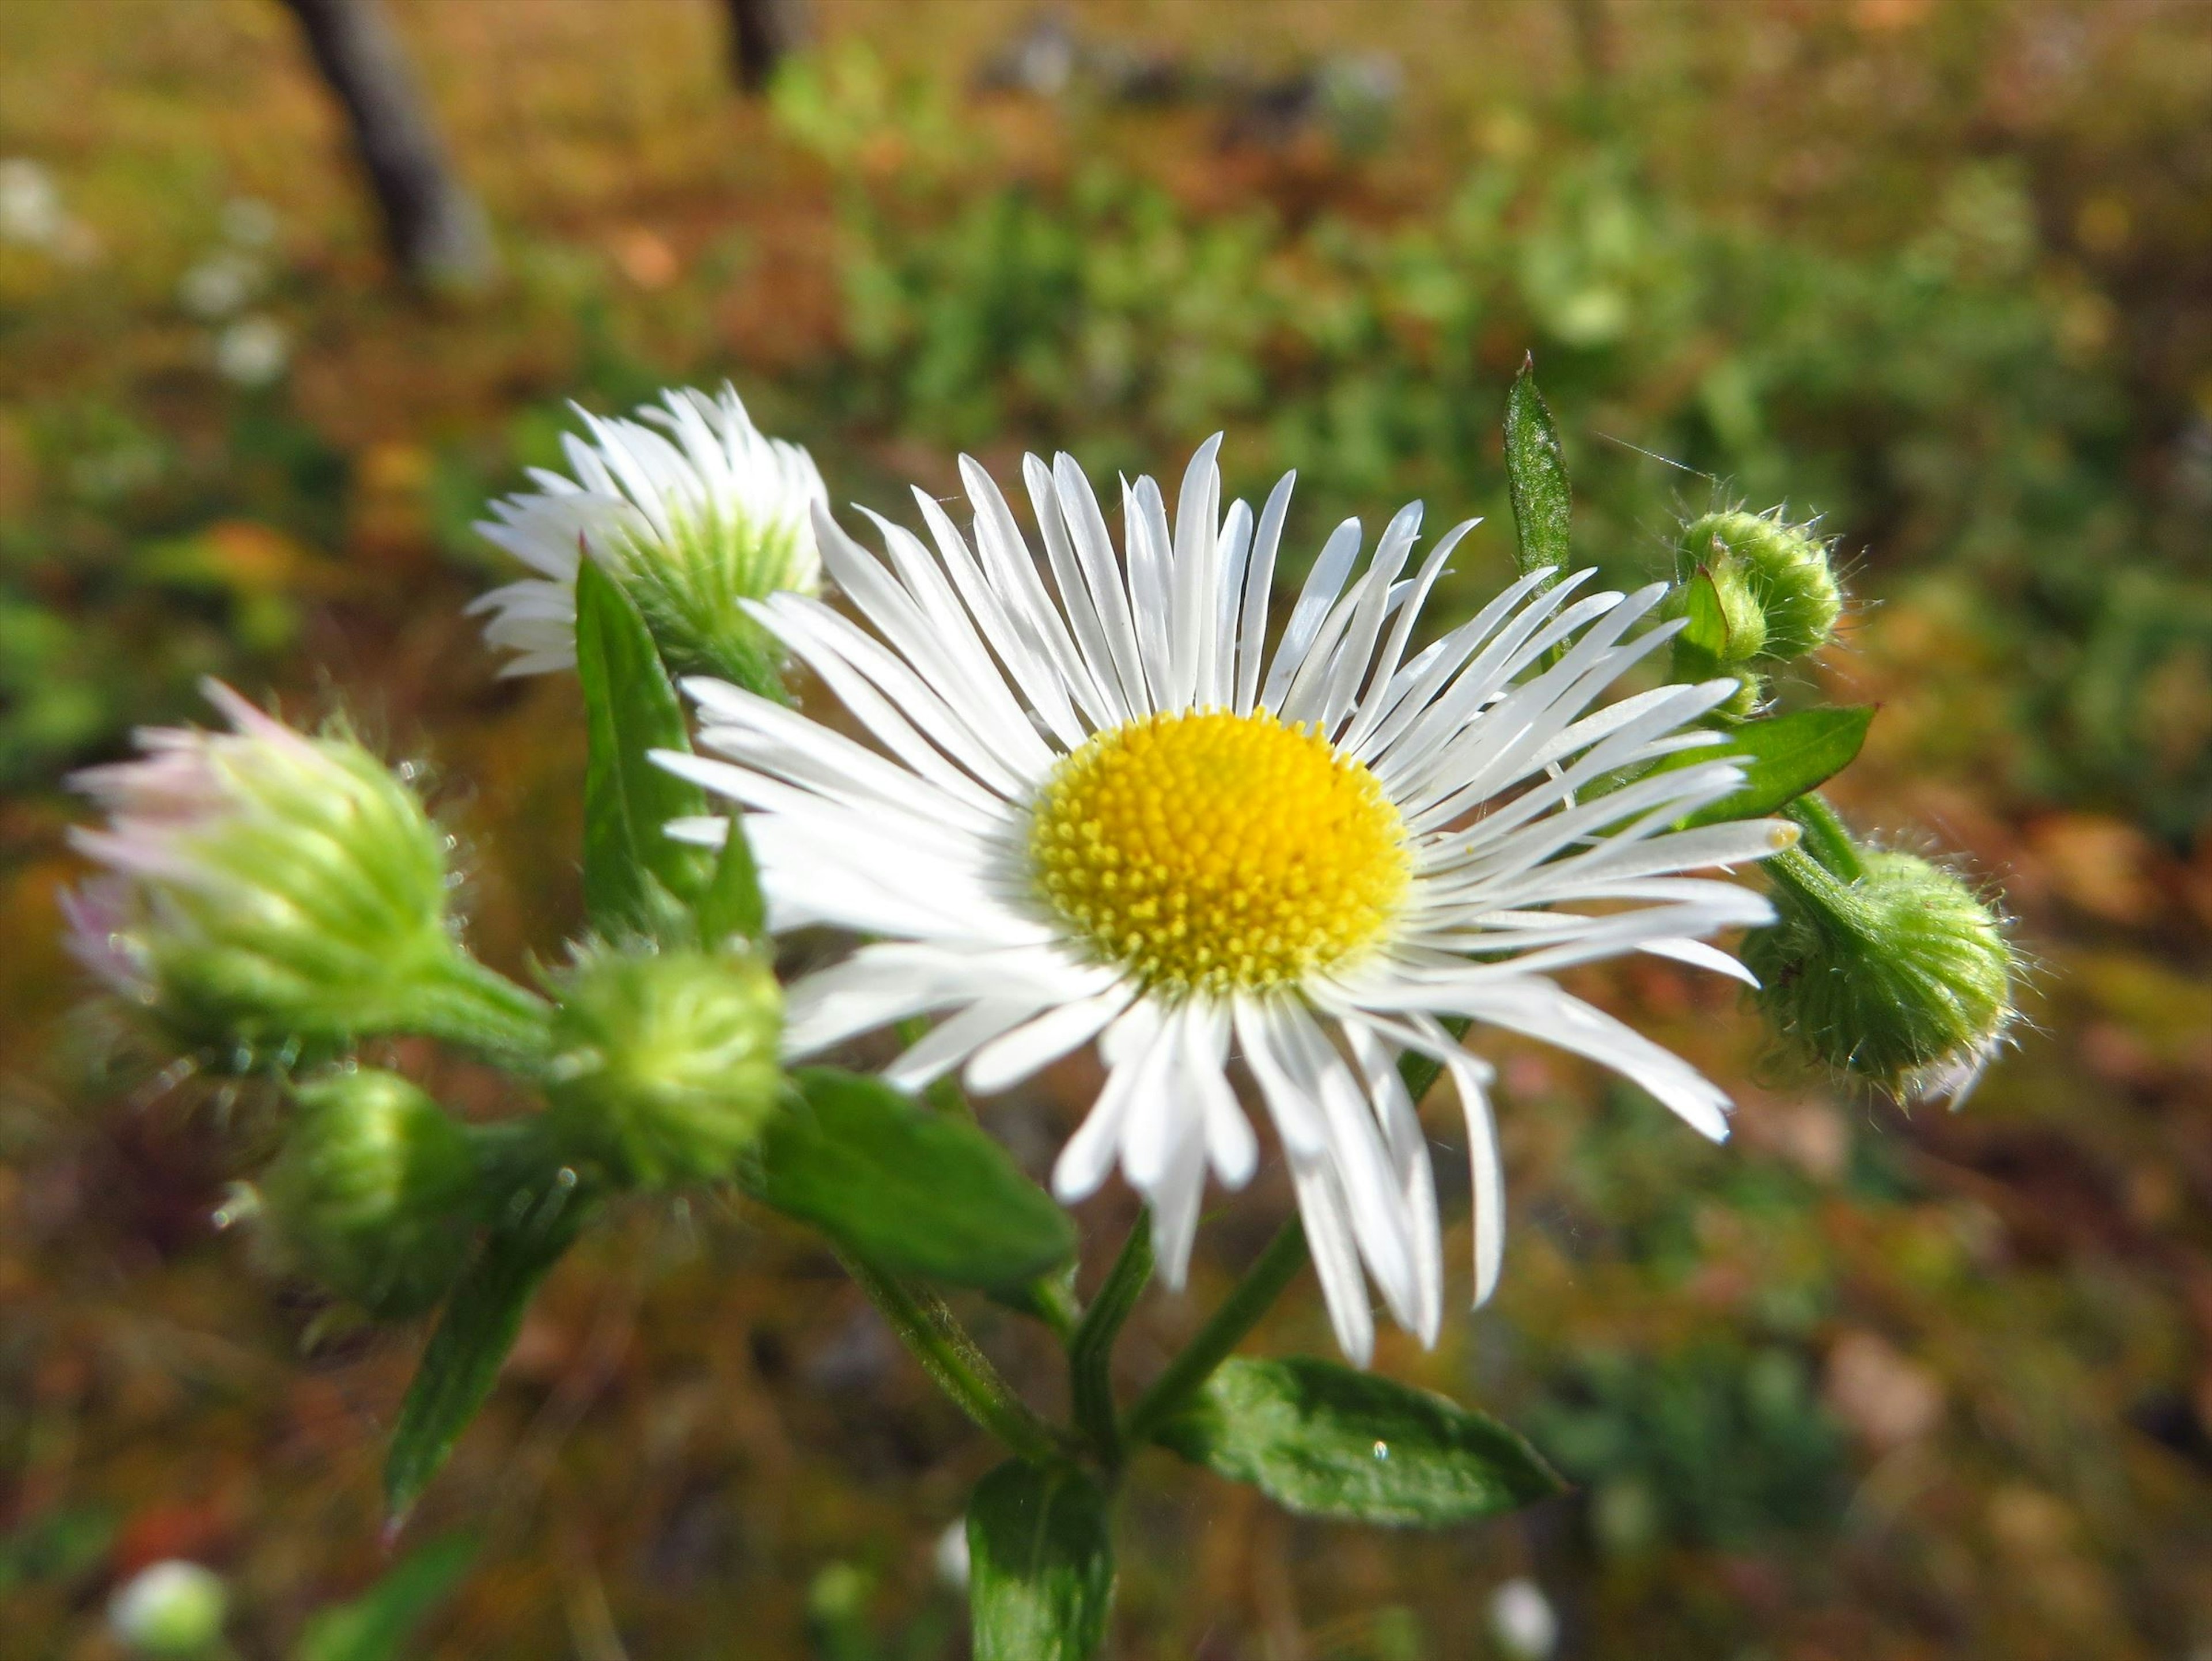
x=1322, y=1441
x=376, y=1626
x=631, y=709
x=731, y=905
x=1040, y=1565
x=1783, y=757
x=1535, y=475
x=914, y=1192
x=461, y=1362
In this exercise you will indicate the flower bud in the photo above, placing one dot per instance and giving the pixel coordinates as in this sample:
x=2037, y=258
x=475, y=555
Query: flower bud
x=1523, y=1620
x=1900, y=973
x=272, y=891
x=693, y=514
x=170, y=1610
x=374, y=1192
x=1754, y=588
x=665, y=1063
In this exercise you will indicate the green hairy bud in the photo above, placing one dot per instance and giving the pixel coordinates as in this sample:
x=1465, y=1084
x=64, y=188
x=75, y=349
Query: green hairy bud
x=664, y=1062
x=1900, y=973
x=271, y=893
x=173, y=1611
x=374, y=1192
x=1754, y=589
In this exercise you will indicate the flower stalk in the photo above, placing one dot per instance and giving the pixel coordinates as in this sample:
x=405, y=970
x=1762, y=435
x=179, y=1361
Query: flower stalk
x=935, y=1338
x=1090, y=1349
x=1241, y=1311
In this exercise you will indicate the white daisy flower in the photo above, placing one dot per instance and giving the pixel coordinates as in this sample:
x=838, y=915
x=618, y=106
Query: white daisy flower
x=1104, y=812
x=694, y=515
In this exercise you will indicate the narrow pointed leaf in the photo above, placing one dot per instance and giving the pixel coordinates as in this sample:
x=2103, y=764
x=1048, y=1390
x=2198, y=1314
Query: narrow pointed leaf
x=1782, y=757
x=462, y=1360
x=1040, y=1565
x=1322, y=1441
x=631, y=867
x=377, y=1625
x=1535, y=476
x=731, y=906
x=913, y=1192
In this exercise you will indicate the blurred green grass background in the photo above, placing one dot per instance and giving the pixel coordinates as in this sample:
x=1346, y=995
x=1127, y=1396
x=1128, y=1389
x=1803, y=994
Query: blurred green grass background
x=1861, y=1384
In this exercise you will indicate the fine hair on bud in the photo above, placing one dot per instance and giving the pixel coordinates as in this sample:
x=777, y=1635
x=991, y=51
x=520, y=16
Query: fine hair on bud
x=1754, y=586
x=1902, y=975
x=374, y=1192
x=665, y=1063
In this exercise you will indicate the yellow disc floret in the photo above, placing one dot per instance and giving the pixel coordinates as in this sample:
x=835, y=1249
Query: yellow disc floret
x=1204, y=850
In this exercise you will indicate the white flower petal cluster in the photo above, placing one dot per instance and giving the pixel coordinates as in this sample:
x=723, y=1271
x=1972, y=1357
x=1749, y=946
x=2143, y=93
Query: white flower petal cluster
x=690, y=508
x=1099, y=810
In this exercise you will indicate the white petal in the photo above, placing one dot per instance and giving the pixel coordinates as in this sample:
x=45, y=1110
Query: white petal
x=1533, y=1006
x=1356, y=1156
x=1259, y=583
x=1177, y=1200
x=1699, y=955
x=1323, y=583
x=1088, y=1157
x=1008, y=1060
x=950, y=1042
x=1335, y=1258
x=1102, y=574
x=1408, y=1146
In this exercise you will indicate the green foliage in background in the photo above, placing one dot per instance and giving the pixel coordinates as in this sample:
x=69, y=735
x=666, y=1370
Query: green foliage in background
x=1948, y=391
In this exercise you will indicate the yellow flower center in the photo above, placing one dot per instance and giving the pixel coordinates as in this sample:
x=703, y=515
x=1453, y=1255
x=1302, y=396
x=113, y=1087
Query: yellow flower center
x=1208, y=850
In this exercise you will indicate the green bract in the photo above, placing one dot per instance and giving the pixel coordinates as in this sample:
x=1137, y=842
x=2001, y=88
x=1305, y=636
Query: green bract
x=321, y=896
x=1754, y=586
x=374, y=1191
x=1900, y=974
x=692, y=582
x=664, y=1066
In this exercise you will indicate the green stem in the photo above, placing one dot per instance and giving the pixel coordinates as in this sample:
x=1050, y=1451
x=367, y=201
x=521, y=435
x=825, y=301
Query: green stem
x=927, y=1328
x=1826, y=838
x=464, y=1003
x=1252, y=1298
x=1091, y=1351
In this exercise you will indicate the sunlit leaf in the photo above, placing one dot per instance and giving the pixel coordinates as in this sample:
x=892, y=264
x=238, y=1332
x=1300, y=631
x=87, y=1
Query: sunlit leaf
x=1322, y=1441
x=462, y=1360
x=1040, y=1565
x=1782, y=757
x=631, y=866
x=913, y=1191
x=1535, y=476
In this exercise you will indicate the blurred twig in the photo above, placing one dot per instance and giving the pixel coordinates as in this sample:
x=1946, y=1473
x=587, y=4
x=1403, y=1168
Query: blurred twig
x=762, y=33
x=434, y=227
